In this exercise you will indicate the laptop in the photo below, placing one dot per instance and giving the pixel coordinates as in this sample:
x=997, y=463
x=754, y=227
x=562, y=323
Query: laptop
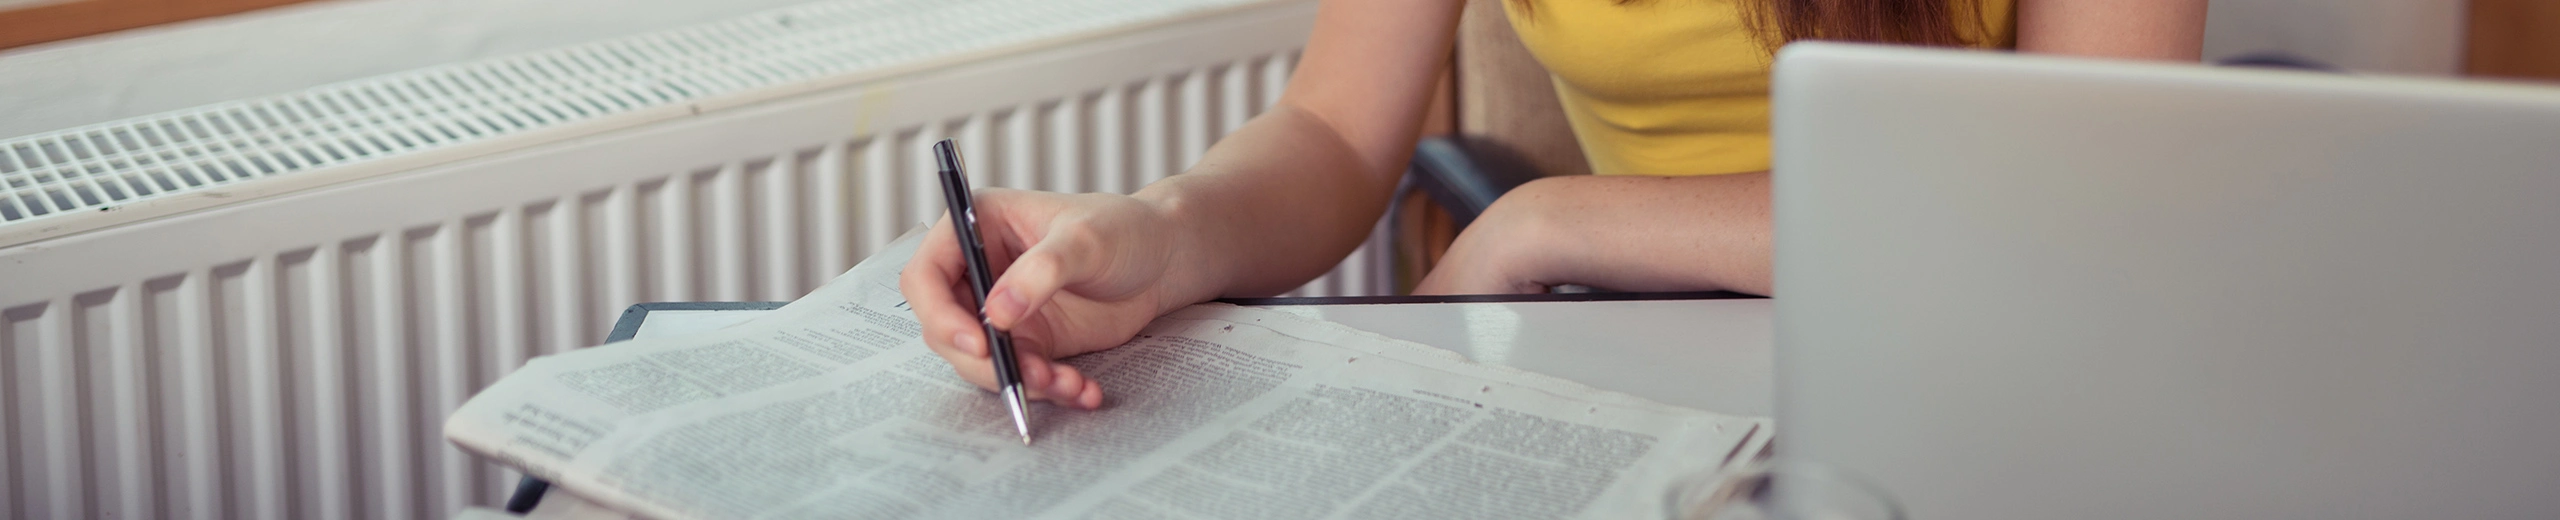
x=2019, y=287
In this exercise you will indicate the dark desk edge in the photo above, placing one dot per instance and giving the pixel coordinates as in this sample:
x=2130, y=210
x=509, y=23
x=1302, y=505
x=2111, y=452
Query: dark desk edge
x=1493, y=298
x=529, y=491
x=628, y=325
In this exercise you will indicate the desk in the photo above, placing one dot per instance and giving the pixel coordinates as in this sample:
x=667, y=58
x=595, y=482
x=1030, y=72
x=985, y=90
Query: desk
x=1708, y=351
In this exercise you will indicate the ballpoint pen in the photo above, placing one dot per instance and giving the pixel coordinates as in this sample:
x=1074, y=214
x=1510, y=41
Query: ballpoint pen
x=964, y=223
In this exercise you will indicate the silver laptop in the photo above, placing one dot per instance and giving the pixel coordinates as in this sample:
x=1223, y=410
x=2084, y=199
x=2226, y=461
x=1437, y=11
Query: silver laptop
x=2015, y=287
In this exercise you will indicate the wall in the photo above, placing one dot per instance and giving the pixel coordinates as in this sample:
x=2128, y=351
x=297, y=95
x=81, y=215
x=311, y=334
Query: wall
x=133, y=73
x=29, y=22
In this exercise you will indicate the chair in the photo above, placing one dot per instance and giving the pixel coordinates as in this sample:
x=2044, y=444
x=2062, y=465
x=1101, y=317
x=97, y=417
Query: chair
x=1508, y=130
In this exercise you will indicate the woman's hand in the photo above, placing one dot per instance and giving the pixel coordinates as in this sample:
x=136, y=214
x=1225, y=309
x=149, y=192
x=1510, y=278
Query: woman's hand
x=1074, y=274
x=1273, y=204
x=1618, y=232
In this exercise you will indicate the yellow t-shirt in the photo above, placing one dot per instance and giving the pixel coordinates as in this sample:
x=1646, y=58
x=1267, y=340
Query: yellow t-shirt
x=1670, y=87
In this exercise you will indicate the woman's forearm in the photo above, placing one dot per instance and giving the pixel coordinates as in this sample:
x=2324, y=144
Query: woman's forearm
x=1619, y=232
x=1275, y=204
x=2170, y=30
x=1285, y=197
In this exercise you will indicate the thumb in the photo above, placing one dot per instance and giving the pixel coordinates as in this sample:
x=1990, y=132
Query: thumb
x=1036, y=276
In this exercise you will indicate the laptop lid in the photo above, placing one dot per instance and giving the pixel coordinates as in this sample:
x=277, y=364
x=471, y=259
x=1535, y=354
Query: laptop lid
x=2015, y=287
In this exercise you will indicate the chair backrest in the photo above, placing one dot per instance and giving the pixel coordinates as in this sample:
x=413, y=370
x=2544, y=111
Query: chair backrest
x=1504, y=97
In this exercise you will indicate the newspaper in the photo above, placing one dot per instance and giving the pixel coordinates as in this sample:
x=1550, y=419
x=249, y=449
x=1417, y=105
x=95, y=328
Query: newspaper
x=831, y=407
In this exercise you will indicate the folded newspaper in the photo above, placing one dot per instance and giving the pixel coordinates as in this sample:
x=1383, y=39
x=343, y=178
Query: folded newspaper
x=831, y=407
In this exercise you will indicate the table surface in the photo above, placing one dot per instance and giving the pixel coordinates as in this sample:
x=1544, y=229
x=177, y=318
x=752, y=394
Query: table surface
x=1711, y=355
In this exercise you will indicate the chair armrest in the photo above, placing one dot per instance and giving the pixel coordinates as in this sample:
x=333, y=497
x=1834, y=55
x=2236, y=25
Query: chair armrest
x=1465, y=175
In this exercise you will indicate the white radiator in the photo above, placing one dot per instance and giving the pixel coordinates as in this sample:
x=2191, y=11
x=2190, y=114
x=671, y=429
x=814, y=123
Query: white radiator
x=265, y=309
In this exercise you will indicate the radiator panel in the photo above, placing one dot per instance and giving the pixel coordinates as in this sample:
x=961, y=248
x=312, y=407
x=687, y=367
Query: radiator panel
x=295, y=357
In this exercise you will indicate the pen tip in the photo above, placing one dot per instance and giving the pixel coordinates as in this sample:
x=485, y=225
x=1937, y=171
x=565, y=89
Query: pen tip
x=1021, y=418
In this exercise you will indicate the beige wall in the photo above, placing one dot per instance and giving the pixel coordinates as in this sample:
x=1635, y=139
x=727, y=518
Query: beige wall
x=27, y=22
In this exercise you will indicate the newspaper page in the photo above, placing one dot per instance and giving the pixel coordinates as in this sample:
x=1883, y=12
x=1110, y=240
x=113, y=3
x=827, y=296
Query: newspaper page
x=831, y=407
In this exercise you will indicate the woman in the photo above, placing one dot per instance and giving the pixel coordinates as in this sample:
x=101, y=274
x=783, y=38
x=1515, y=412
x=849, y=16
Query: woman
x=1669, y=100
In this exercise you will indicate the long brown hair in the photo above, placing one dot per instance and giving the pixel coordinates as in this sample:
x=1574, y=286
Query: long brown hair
x=1910, y=22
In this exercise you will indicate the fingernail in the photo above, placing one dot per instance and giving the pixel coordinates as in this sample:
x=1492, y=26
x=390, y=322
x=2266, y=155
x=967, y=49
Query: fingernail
x=968, y=343
x=1005, y=308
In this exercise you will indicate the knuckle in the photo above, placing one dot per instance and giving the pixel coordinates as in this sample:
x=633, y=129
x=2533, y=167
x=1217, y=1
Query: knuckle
x=1075, y=231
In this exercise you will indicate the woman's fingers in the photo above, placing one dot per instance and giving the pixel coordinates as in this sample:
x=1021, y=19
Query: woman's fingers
x=1071, y=388
x=1035, y=375
x=1057, y=383
x=1063, y=383
x=928, y=288
x=1042, y=380
x=932, y=284
x=1056, y=256
x=1042, y=271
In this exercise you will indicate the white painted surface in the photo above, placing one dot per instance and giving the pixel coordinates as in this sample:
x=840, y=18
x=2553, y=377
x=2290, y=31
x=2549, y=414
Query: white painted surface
x=2389, y=36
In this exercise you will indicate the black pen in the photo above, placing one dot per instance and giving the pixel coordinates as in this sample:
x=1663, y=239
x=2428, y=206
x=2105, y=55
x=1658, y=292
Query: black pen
x=964, y=223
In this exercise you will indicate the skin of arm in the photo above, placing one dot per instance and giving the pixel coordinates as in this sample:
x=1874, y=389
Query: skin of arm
x=1282, y=200
x=1713, y=232
x=1270, y=206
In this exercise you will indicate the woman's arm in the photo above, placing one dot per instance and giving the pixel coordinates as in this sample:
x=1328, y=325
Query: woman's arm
x=1712, y=232
x=1625, y=232
x=1283, y=199
x=2170, y=30
x=1270, y=206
